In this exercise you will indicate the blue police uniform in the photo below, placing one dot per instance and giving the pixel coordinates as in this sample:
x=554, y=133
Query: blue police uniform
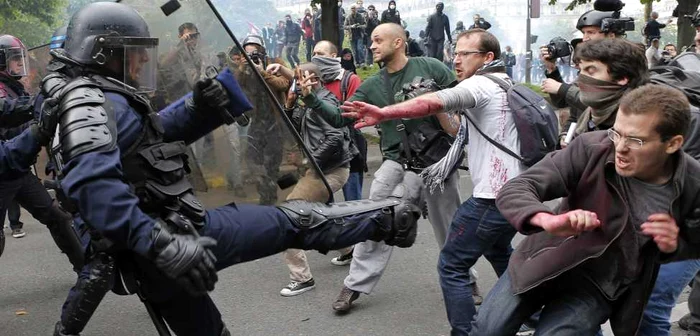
x=95, y=181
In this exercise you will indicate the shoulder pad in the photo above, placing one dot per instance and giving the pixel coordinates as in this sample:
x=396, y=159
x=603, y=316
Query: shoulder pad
x=52, y=84
x=80, y=91
x=86, y=123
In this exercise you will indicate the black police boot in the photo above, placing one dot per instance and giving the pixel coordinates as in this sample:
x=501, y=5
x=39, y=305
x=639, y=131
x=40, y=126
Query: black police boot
x=395, y=220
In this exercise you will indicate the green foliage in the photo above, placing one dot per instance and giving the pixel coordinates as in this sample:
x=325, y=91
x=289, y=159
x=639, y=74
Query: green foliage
x=32, y=21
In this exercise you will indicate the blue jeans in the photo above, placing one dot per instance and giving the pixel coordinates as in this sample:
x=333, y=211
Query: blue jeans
x=670, y=282
x=358, y=50
x=572, y=306
x=477, y=229
x=352, y=190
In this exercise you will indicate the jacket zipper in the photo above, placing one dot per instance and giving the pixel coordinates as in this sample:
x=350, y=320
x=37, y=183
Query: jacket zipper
x=586, y=259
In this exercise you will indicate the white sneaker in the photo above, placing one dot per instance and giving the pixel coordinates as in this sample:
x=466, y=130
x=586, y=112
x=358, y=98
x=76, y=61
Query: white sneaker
x=342, y=260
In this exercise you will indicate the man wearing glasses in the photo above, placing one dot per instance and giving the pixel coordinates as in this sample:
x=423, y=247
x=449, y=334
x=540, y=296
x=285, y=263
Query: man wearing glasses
x=478, y=228
x=630, y=203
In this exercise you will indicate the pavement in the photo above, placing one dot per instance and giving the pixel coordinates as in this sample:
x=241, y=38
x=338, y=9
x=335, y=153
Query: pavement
x=35, y=278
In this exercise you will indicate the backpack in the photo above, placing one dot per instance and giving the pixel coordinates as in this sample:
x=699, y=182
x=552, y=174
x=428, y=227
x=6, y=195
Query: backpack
x=359, y=162
x=683, y=73
x=535, y=120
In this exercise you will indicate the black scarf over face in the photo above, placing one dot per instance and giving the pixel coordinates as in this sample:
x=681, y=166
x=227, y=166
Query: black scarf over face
x=348, y=65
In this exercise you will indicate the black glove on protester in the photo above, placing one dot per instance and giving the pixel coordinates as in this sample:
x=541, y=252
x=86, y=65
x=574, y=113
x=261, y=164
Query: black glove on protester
x=186, y=259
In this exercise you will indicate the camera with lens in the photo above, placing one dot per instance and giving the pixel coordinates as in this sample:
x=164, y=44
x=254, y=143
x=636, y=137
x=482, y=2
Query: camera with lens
x=615, y=24
x=256, y=57
x=558, y=47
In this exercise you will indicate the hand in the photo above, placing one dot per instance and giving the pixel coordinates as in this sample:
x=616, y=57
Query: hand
x=663, y=228
x=209, y=92
x=550, y=86
x=567, y=224
x=367, y=114
x=546, y=60
x=273, y=68
x=186, y=259
x=307, y=82
x=563, y=143
x=45, y=129
x=259, y=67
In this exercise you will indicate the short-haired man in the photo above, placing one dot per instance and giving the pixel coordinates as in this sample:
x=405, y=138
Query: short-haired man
x=671, y=49
x=478, y=228
x=590, y=24
x=630, y=197
x=370, y=260
x=610, y=68
x=652, y=29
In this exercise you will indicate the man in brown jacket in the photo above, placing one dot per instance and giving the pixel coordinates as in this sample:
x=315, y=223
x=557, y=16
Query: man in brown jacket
x=630, y=202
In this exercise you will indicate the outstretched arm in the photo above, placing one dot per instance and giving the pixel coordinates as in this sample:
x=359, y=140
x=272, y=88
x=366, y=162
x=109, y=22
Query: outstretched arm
x=448, y=100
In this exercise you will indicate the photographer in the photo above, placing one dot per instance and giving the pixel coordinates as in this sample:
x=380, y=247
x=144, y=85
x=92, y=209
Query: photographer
x=563, y=94
x=265, y=133
x=330, y=147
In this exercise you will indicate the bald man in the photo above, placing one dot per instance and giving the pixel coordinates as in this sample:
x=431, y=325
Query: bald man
x=388, y=45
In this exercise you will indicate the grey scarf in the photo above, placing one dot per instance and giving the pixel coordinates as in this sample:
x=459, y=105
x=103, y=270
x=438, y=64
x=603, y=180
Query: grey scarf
x=435, y=175
x=328, y=66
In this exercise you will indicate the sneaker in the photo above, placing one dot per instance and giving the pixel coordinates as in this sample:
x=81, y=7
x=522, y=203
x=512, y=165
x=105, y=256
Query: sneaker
x=344, y=301
x=476, y=295
x=525, y=330
x=342, y=260
x=684, y=322
x=18, y=233
x=296, y=288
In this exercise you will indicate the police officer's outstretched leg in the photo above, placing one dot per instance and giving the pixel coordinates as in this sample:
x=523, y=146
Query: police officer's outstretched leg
x=124, y=166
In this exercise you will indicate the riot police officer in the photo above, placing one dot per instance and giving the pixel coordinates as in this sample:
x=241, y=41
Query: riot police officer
x=123, y=168
x=20, y=184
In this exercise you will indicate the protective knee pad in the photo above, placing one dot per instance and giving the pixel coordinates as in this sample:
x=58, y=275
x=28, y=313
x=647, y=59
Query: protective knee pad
x=404, y=225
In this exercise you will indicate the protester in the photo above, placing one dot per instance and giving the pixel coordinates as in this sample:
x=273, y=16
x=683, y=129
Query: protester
x=438, y=26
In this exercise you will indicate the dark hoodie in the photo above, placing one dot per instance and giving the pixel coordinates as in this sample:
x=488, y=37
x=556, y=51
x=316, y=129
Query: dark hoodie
x=391, y=15
x=348, y=65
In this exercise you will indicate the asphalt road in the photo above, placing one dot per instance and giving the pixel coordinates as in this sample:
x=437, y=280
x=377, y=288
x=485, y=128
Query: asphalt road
x=35, y=278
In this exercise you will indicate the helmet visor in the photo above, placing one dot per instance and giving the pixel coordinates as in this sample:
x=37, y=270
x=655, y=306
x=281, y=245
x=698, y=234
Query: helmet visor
x=140, y=67
x=16, y=62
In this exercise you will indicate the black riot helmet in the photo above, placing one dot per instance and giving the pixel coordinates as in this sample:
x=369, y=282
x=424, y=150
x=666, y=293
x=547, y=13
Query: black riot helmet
x=593, y=18
x=112, y=39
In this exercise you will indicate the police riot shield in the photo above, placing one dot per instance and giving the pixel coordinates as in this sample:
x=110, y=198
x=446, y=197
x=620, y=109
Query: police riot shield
x=257, y=159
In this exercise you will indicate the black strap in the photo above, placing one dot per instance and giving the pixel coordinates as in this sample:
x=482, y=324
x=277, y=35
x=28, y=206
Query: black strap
x=401, y=127
x=504, y=85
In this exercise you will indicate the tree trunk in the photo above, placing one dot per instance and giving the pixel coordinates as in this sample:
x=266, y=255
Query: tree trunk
x=686, y=31
x=647, y=10
x=329, y=21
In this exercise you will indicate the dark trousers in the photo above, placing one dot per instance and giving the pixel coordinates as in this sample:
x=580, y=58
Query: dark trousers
x=28, y=192
x=310, y=44
x=13, y=214
x=435, y=48
x=694, y=305
x=243, y=233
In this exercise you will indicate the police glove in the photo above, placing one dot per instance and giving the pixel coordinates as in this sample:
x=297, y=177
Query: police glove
x=45, y=128
x=185, y=258
x=209, y=92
